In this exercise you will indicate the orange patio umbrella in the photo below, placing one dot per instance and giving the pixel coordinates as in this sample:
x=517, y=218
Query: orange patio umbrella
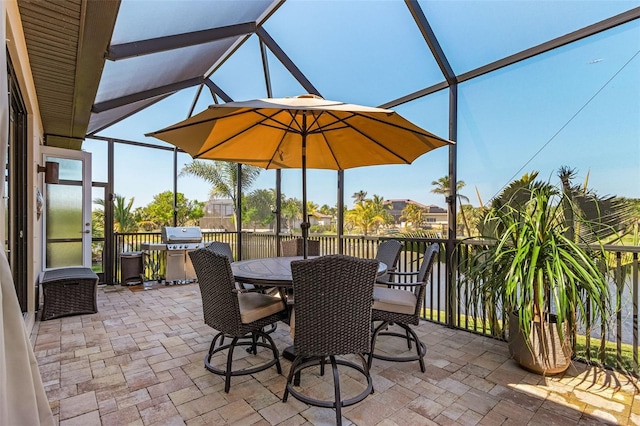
x=301, y=132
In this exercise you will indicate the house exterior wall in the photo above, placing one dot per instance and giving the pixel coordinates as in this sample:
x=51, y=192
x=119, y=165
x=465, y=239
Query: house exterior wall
x=319, y=219
x=218, y=214
x=14, y=43
x=435, y=217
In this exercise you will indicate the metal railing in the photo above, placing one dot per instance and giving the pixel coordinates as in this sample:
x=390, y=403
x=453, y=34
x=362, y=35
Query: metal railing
x=617, y=349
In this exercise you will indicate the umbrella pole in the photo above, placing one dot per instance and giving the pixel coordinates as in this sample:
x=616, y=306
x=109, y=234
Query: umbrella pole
x=304, y=225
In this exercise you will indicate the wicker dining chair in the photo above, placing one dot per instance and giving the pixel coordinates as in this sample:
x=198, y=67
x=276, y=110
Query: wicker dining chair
x=235, y=313
x=400, y=303
x=221, y=247
x=333, y=317
x=295, y=247
x=225, y=250
x=389, y=254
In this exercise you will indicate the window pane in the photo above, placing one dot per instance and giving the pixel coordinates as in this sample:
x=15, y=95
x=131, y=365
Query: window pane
x=64, y=222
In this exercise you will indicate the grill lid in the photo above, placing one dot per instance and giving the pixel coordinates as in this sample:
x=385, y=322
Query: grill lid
x=187, y=234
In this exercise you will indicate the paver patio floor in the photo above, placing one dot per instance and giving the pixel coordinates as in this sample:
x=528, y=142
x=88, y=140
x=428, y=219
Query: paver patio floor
x=139, y=361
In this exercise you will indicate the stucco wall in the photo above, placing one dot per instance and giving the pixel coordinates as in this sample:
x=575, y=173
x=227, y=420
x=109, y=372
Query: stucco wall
x=17, y=49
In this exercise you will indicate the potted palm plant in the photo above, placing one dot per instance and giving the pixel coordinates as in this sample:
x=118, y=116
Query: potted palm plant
x=538, y=274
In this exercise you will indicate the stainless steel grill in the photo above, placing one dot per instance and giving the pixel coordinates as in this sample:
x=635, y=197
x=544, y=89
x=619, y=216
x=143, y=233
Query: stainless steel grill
x=177, y=242
x=182, y=238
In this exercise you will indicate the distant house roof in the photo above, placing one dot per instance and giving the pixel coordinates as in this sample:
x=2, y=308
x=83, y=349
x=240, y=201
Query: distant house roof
x=321, y=215
x=435, y=209
x=404, y=202
x=400, y=204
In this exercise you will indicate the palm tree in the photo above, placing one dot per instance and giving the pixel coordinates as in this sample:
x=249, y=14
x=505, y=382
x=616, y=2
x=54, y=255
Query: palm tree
x=123, y=217
x=607, y=217
x=588, y=217
x=442, y=187
x=331, y=211
x=413, y=215
x=381, y=209
x=473, y=215
x=359, y=196
x=223, y=177
x=291, y=209
x=311, y=207
x=258, y=207
x=369, y=214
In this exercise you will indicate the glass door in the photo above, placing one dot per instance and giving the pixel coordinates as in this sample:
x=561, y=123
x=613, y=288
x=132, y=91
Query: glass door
x=16, y=232
x=67, y=212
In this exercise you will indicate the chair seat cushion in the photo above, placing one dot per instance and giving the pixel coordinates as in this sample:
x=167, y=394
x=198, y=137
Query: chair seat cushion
x=394, y=300
x=255, y=306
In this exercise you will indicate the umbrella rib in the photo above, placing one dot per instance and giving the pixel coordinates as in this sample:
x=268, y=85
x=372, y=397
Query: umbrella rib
x=383, y=122
x=285, y=126
x=397, y=126
x=329, y=127
x=222, y=142
x=286, y=129
x=335, y=159
x=344, y=121
x=224, y=117
x=275, y=151
x=195, y=123
x=368, y=117
x=259, y=123
x=322, y=128
x=367, y=136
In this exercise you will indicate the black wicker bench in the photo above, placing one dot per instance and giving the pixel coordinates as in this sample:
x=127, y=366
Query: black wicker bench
x=68, y=291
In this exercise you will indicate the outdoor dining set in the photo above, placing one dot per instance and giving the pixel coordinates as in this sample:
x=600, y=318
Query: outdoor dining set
x=337, y=306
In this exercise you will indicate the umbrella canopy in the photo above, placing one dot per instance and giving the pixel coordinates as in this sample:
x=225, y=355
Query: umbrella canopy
x=301, y=132
x=268, y=133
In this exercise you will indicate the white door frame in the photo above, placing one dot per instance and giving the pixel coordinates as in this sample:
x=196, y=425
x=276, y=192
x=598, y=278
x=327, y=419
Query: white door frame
x=85, y=158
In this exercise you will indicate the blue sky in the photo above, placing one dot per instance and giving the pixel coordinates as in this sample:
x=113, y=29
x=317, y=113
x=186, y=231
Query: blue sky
x=578, y=106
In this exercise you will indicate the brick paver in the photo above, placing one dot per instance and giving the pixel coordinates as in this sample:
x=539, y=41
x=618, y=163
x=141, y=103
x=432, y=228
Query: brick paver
x=139, y=360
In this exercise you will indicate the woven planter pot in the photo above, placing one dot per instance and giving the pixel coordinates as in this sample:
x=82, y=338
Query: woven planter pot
x=545, y=353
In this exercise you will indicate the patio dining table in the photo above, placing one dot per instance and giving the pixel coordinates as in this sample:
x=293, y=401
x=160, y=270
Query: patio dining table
x=273, y=272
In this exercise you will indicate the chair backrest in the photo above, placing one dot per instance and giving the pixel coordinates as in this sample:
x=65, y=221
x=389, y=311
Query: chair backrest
x=220, y=305
x=295, y=247
x=221, y=248
x=333, y=304
x=428, y=260
x=389, y=254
